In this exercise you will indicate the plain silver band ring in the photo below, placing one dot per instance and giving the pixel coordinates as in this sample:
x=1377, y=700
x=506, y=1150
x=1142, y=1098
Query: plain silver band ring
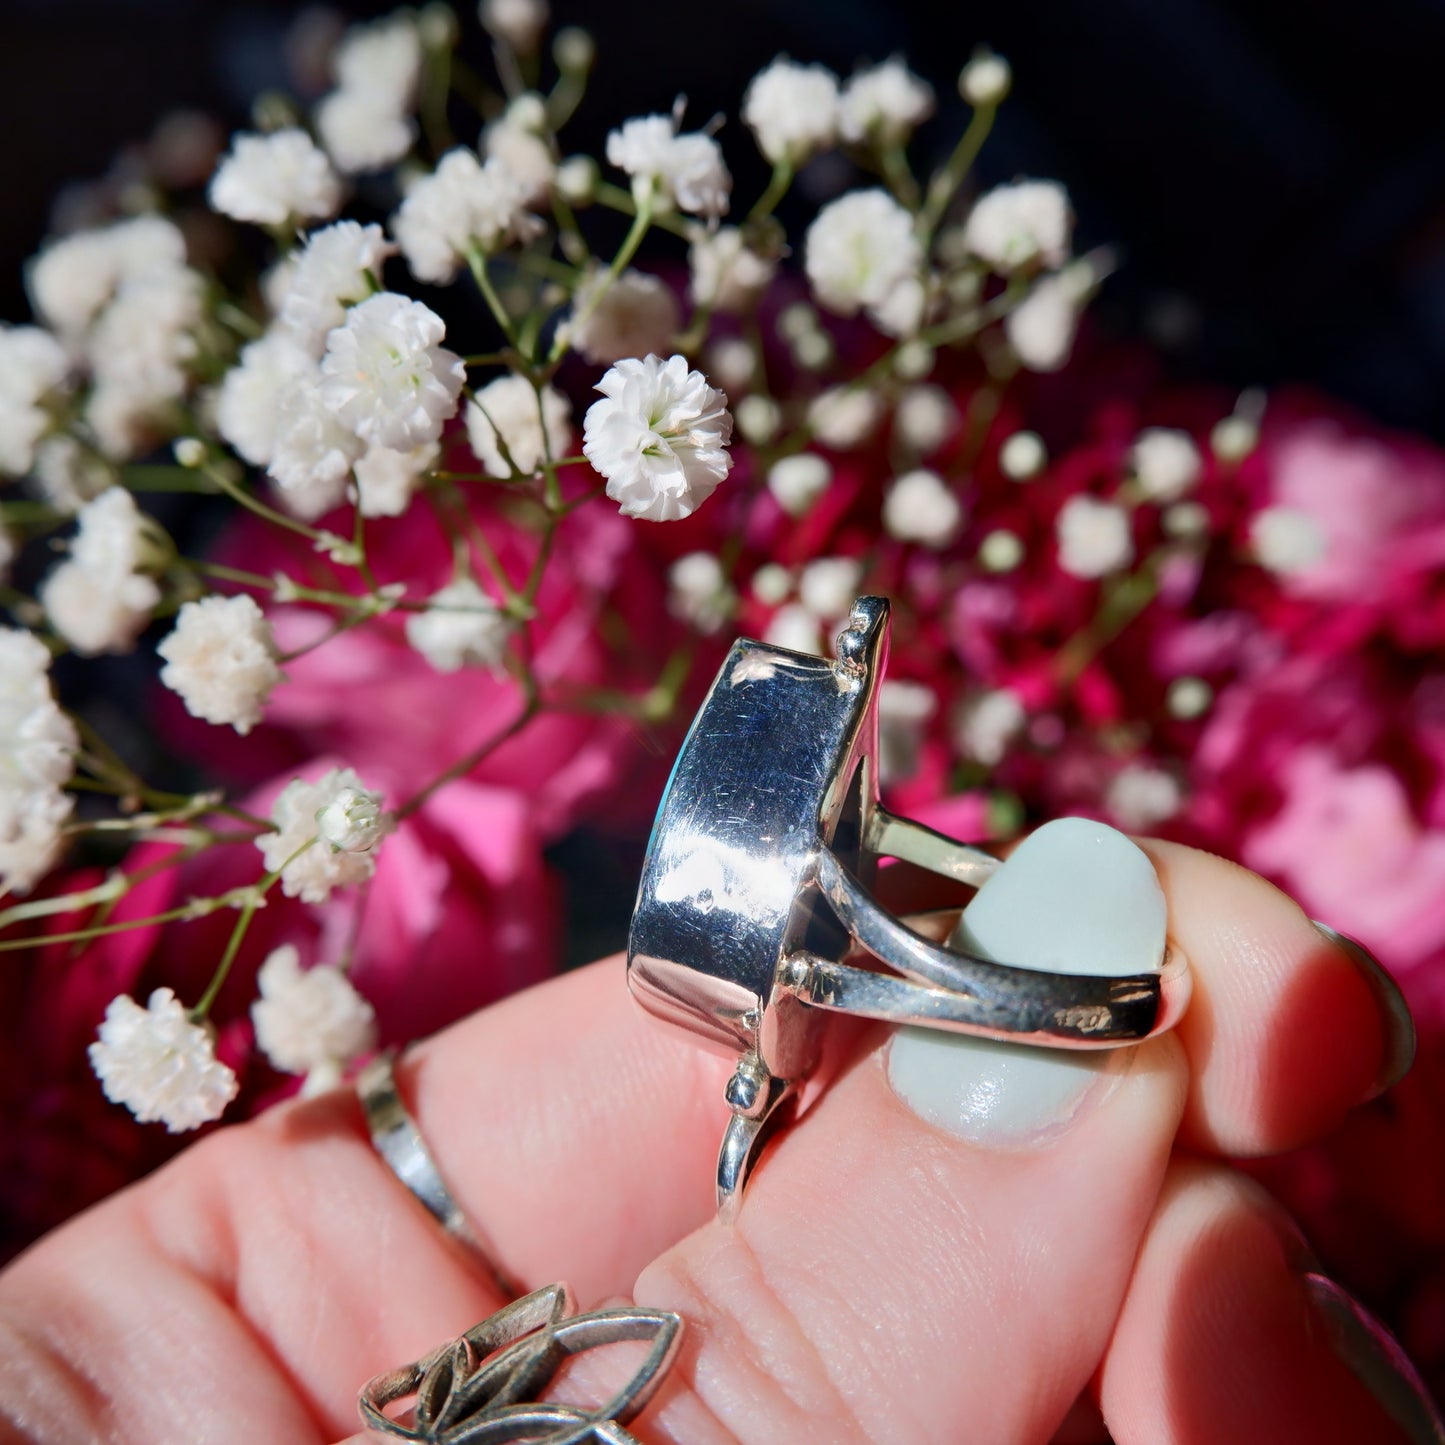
x=399, y=1142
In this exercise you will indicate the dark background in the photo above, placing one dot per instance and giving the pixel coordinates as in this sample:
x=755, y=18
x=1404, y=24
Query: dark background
x=1273, y=174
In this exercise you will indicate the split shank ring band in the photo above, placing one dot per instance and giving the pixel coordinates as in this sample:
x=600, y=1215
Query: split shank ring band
x=755, y=908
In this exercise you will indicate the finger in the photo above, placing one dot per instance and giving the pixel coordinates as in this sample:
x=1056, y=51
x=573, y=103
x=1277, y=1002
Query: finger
x=1229, y=1332
x=1286, y=1030
x=939, y=1249
x=289, y=1243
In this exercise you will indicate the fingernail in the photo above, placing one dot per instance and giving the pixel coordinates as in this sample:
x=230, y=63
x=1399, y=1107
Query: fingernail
x=1074, y=897
x=1394, y=1011
x=1376, y=1360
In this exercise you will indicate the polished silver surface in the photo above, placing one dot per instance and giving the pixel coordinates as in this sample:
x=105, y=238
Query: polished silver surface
x=397, y=1139
x=482, y=1386
x=755, y=906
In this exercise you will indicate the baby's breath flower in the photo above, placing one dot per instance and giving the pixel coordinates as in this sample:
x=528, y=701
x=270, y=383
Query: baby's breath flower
x=1234, y=437
x=386, y=480
x=1141, y=796
x=361, y=135
x=312, y=452
x=509, y=412
x=792, y=110
x=309, y=1019
x=798, y=481
x=461, y=627
x=1287, y=540
x=1041, y=327
x=772, y=584
x=884, y=104
x=1000, y=551
x=1094, y=537
x=635, y=315
x=72, y=279
x=462, y=204
x=519, y=23
x=351, y=822
x=795, y=628
x=249, y=404
x=221, y=659
x=1022, y=456
x=659, y=436
x=33, y=366
x=985, y=80
x=339, y=266
x=1188, y=697
x=682, y=170
x=859, y=250
x=518, y=144
x=988, y=724
x=386, y=376
x=381, y=60
x=904, y=709
x=733, y=362
x=276, y=178
x=577, y=180
x=827, y=587
x=844, y=417
x=920, y=508
x=37, y=758
x=727, y=274
x=309, y=866
x=1165, y=462
x=159, y=1064
x=925, y=418
x=1024, y=224
x=100, y=599
x=698, y=592
x=68, y=474
x=758, y=419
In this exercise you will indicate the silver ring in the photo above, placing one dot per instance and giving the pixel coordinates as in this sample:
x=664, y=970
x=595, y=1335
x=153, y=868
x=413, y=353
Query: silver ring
x=398, y=1141
x=482, y=1386
x=754, y=902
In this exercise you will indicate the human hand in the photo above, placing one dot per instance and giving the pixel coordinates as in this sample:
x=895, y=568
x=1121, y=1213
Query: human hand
x=889, y=1278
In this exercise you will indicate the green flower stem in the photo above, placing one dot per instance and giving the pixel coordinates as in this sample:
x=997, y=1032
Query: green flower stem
x=617, y=199
x=192, y=908
x=945, y=183
x=1124, y=599
x=463, y=765
x=436, y=88
x=238, y=494
x=478, y=266
x=899, y=175
x=255, y=897
x=641, y=223
x=777, y=188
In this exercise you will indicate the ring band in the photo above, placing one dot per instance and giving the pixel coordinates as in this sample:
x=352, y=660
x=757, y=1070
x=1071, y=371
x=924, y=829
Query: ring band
x=398, y=1141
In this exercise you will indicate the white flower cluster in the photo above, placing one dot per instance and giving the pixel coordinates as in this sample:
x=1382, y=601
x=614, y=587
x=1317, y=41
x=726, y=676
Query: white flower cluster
x=310, y=1021
x=221, y=660
x=366, y=122
x=884, y=104
x=515, y=428
x=349, y=379
x=275, y=180
x=659, y=436
x=101, y=598
x=461, y=627
x=37, y=757
x=861, y=253
x=33, y=368
x=326, y=835
x=792, y=111
x=629, y=317
x=159, y=1064
x=461, y=206
x=1025, y=224
x=127, y=309
x=682, y=170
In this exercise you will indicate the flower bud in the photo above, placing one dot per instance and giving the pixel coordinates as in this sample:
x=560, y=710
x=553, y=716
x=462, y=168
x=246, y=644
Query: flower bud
x=985, y=81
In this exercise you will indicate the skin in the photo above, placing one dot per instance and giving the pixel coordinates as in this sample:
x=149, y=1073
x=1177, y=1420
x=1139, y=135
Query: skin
x=885, y=1282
